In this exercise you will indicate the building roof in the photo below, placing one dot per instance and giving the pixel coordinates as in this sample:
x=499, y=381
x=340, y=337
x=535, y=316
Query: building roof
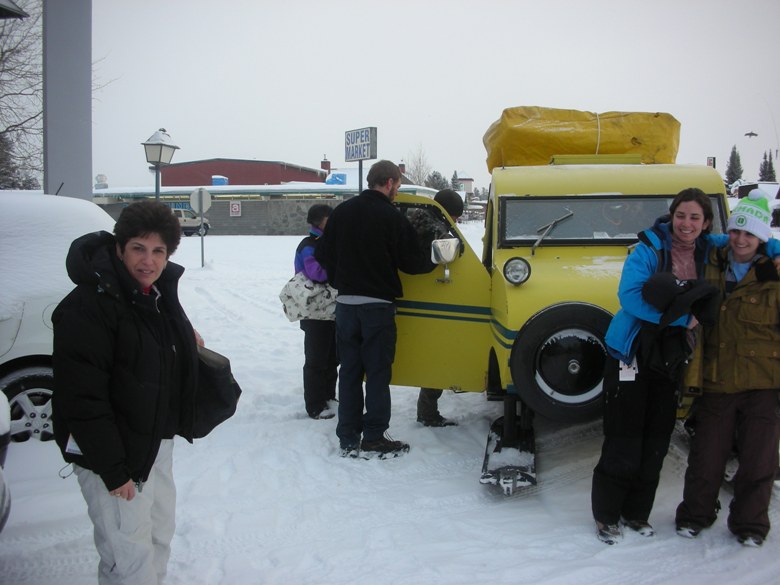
x=291, y=189
x=244, y=160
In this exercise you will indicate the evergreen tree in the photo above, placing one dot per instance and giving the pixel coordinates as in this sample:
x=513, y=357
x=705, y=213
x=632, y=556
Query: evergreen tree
x=766, y=171
x=11, y=177
x=456, y=182
x=734, y=168
x=7, y=168
x=436, y=181
x=762, y=169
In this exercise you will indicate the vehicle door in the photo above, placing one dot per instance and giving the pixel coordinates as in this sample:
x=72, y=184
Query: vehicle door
x=443, y=318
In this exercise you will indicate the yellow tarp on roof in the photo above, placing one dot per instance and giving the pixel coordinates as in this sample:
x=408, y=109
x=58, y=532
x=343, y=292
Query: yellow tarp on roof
x=531, y=135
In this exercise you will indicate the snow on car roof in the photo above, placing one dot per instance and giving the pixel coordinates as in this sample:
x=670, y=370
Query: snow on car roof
x=36, y=231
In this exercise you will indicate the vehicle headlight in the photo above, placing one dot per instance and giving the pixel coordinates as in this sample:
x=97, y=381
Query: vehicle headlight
x=517, y=270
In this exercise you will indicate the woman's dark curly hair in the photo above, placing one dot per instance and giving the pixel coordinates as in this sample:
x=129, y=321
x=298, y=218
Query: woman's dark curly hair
x=697, y=196
x=148, y=217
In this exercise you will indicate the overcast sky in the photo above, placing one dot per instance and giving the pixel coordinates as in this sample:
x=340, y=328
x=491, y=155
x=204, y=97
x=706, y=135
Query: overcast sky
x=284, y=79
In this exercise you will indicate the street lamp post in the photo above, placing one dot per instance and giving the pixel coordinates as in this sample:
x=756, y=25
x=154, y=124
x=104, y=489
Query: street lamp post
x=159, y=151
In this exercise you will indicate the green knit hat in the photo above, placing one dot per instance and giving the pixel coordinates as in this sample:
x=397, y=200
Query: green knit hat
x=752, y=215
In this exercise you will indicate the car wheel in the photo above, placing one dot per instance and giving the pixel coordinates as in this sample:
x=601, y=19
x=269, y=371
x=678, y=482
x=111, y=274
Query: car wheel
x=203, y=230
x=29, y=393
x=559, y=360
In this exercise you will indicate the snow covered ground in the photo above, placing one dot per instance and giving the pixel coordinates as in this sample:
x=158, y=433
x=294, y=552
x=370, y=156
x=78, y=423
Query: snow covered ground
x=265, y=499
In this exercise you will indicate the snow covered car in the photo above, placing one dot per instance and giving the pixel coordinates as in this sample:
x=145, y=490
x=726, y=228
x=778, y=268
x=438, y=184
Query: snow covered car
x=5, y=433
x=526, y=322
x=37, y=231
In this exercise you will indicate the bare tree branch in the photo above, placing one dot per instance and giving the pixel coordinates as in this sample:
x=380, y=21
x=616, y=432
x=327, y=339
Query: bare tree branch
x=417, y=166
x=21, y=89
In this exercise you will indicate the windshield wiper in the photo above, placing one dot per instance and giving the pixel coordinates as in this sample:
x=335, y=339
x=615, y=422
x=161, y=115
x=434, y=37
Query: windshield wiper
x=548, y=227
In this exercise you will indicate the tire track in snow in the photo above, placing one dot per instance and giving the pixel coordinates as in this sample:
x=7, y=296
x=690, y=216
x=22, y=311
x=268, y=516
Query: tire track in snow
x=60, y=552
x=458, y=504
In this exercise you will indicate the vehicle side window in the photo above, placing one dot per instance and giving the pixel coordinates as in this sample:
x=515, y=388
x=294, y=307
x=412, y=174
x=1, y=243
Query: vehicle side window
x=429, y=224
x=428, y=221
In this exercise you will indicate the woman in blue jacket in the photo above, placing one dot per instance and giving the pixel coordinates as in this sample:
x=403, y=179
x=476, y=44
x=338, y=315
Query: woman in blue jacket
x=639, y=414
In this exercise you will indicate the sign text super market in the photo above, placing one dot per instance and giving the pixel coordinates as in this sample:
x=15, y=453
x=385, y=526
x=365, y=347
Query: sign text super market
x=360, y=144
x=358, y=151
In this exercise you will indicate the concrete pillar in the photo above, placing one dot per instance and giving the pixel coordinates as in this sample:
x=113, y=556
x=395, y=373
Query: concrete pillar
x=67, y=98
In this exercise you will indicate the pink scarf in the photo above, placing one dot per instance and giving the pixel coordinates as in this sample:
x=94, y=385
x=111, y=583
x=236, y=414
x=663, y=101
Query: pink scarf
x=683, y=261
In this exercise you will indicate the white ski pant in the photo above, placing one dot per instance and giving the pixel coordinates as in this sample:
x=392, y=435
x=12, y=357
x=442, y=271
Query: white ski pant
x=133, y=538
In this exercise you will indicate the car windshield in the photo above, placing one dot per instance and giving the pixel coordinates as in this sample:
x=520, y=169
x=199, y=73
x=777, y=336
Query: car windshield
x=582, y=218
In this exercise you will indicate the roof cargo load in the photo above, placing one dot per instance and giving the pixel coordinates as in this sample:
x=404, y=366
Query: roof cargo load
x=531, y=135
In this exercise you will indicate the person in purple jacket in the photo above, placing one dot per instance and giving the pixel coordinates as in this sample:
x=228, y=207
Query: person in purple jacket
x=319, y=345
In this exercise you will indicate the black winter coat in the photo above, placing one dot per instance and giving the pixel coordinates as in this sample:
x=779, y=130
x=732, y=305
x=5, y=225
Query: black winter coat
x=125, y=365
x=366, y=241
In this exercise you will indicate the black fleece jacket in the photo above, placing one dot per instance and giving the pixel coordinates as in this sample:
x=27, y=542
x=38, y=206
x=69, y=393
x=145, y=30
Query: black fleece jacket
x=125, y=365
x=366, y=241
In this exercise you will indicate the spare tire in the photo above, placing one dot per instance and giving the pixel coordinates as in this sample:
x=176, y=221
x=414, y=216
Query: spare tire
x=559, y=359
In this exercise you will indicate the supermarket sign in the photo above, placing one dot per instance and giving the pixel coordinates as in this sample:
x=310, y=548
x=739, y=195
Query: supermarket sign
x=360, y=144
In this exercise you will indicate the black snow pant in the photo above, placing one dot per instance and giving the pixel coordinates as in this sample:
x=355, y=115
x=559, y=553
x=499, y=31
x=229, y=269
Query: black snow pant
x=639, y=418
x=428, y=404
x=753, y=419
x=319, y=368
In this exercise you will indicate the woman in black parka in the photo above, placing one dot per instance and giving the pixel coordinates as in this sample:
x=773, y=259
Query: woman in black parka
x=125, y=371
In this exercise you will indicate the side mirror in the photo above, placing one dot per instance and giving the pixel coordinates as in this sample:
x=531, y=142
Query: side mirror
x=443, y=252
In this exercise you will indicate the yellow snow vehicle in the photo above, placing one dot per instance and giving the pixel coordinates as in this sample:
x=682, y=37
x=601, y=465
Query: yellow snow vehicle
x=525, y=320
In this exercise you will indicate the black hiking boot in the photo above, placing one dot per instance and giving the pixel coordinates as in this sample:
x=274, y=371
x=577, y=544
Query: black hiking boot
x=608, y=533
x=350, y=451
x=750, y=539
x=688, y=529
x=383, y=448
x=324, y=414
x=436, y=421
x=641, y=526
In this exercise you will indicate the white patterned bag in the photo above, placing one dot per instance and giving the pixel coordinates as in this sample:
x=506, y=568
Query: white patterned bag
x=303, y=298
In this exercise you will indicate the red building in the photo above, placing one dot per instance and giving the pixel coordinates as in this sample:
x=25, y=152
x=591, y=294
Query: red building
x=238, y=172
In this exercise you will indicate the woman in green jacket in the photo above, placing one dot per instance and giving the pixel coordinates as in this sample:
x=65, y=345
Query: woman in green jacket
x=739, y=374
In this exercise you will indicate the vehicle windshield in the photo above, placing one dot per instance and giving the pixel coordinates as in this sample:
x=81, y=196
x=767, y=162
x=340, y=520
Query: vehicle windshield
x=614, y=219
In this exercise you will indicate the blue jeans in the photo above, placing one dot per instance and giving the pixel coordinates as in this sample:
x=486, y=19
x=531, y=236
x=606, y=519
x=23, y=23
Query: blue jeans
x=366, y=336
